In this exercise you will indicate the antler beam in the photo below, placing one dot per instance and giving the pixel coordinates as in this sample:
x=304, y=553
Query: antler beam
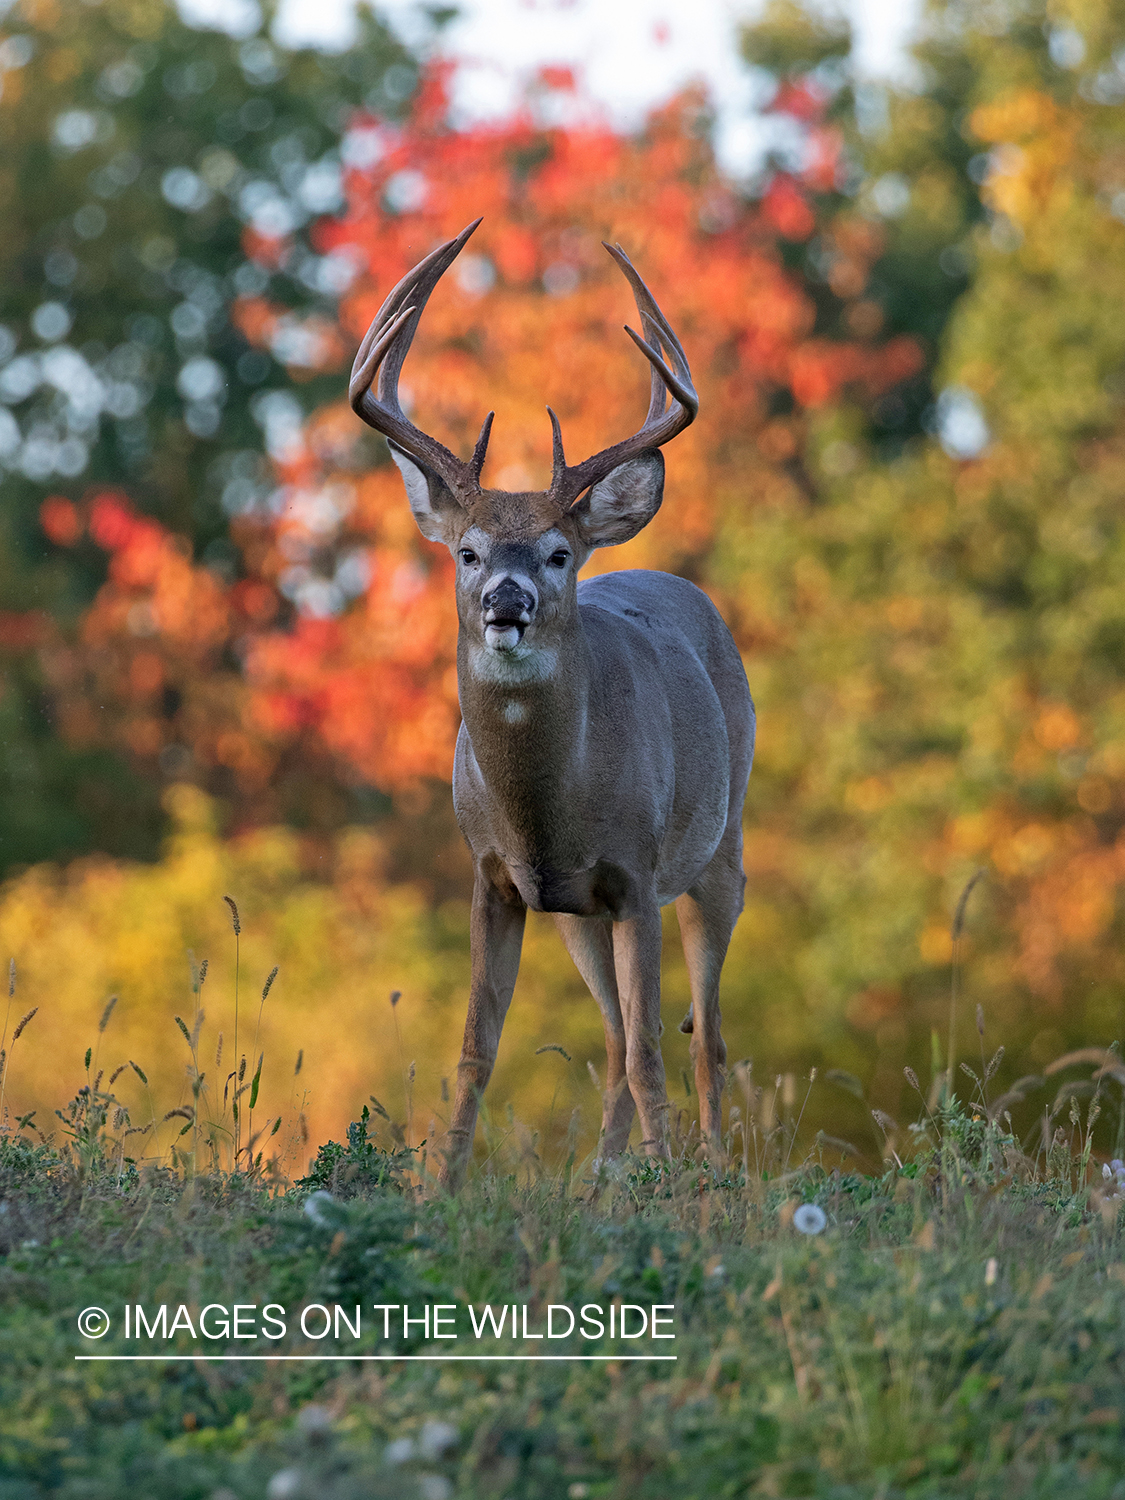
x=373, y=391
x=673, y=403
x=379, y=362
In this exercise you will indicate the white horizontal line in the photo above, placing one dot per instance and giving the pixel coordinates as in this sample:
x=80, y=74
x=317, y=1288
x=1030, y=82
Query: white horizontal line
x=390, y=1358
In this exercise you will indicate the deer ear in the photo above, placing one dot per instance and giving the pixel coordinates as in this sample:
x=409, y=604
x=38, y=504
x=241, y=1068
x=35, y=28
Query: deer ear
x=431, y=501
x=622, y=503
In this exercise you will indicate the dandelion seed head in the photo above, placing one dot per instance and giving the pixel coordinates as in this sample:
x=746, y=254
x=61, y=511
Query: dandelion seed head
x=810, y=1218
x=435, y=1438
x=314, y=1420
x=434, y=1487
x=286, y=1484
x=315, y=1204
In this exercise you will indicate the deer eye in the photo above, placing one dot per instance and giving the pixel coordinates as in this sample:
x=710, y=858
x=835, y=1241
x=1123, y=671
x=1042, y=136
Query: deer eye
x=559, y=559
x=468, y=556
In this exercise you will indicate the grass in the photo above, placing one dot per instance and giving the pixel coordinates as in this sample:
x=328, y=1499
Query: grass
x=956, y=1329
x=953, y=1325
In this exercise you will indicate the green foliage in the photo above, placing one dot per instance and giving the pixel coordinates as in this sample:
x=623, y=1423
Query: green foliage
x=142, y=152
x=936, y=643
x=790, y=40
x=139, y=155
x=359, y=1167
x=25, y=1165
x=57, y=798
x=363, y=1252
x=943, y=1334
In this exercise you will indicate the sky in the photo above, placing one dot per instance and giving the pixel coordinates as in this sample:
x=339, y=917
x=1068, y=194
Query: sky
x=631, y=54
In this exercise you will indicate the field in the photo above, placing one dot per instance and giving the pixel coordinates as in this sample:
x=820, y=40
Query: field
x=228, y=703
x=952, y=1326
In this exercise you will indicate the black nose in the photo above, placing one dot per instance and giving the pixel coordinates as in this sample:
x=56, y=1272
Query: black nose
x=507, y=601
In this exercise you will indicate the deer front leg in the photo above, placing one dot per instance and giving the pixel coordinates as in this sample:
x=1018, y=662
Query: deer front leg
x=496, y=936
x=589, y=944
x=636, y=956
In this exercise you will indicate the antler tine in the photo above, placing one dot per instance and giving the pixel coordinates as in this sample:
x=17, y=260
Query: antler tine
x=658, y=332
x=673, y=403
x=381, y=355
x=476, y=463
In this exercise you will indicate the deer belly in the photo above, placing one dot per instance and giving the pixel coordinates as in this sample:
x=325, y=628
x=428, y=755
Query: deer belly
x=604, y=890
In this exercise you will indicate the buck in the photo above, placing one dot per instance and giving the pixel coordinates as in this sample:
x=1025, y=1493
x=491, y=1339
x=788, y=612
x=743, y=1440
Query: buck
x=607, y=728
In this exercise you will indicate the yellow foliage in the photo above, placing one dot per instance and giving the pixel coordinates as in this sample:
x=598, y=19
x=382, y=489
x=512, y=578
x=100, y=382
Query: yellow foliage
x=98, y=928
x=1015, y=117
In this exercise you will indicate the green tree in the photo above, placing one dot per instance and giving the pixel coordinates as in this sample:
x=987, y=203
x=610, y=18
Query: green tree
x=938, y=643
x=907, y=169
x=157, y=182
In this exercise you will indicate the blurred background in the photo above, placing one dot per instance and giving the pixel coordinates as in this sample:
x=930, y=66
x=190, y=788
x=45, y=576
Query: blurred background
x=893, y=244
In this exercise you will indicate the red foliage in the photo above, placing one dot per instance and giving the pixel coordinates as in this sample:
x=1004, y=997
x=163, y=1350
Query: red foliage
x=787, y=209
x=60, y=520
x=531, y=314
x=799, y=97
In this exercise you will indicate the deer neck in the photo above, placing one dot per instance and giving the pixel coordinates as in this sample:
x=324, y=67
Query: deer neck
x=527, y=722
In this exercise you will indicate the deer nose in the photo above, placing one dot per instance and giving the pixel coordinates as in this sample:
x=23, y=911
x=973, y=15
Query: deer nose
x=509, y=598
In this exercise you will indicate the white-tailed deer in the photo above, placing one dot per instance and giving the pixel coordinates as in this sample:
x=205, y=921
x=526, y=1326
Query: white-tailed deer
x=607, y=728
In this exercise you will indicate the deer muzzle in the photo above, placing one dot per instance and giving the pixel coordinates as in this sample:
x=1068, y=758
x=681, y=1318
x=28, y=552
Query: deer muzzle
x=508, y=605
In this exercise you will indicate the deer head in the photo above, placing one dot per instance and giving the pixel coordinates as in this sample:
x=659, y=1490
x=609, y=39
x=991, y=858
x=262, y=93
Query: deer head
x=518, y=554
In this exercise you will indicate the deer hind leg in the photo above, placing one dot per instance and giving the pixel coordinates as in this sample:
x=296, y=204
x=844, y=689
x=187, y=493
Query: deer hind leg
x=707, y=914
x=636, y=957
x=590, y=945
x=496, y=935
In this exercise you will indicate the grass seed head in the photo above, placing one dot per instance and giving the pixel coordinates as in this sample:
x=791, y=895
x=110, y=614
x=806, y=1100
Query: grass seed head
x=269, y=981
x=962, y=904
x=19, y=1029
x=236, y=922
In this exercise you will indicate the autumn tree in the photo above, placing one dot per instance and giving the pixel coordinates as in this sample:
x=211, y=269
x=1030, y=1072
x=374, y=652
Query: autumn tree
x=942, y=686
x=532, y=314
x=154, y=177
x=925, y=594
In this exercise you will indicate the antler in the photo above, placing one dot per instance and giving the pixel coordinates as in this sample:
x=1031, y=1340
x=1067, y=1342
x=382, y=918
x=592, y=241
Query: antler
x=671, y=384
x=385, y=347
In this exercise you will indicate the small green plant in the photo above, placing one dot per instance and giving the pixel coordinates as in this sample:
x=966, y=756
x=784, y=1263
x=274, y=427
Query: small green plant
x=362, y=1166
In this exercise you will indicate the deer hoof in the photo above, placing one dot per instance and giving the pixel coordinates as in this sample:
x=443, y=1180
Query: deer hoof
x=687, y=1025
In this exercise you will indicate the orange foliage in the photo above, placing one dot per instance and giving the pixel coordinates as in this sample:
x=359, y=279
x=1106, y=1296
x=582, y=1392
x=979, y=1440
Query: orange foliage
x=530, y=315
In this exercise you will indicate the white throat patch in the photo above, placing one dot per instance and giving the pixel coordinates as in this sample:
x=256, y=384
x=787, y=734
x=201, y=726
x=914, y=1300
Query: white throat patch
x=526, y=664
